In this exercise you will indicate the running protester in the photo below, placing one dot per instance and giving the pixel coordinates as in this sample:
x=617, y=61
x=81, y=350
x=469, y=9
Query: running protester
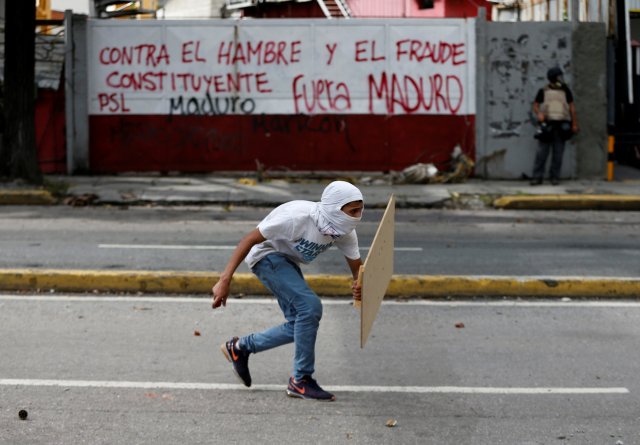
x=294, y=233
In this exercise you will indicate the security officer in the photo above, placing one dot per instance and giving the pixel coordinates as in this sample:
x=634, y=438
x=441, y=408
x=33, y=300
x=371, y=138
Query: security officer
x=556, y=113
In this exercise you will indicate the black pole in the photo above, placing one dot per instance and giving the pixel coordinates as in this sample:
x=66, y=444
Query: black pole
x=18, y=155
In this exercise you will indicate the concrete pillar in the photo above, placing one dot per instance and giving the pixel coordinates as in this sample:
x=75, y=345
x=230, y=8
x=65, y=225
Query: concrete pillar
x=589, y=59
x=481, y=99
x=76, y=105
x=575, y=12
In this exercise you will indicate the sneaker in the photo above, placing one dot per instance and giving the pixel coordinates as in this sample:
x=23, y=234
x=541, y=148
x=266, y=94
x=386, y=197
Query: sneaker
x=239, y=359
x=555, y=181
x=536, y=181
x=308, y=388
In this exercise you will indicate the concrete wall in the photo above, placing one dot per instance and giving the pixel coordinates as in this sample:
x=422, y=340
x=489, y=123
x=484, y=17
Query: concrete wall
x=206, y=136
x=513, y=59
x=590, y=91
x=77, y=114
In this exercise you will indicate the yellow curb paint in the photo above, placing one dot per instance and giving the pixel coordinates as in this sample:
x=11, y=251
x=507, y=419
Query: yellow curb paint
x=105, y=281
x=569, y=202
x=447, y=285
x=26, y=197
x=339, y=285
x=325, y=285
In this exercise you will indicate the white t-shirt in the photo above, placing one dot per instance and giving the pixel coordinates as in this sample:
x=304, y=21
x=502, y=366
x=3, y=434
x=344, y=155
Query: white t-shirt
x=290, y=231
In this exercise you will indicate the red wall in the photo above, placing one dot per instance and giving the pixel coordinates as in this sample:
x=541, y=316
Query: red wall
x=396, y=9
x=373, y=9
x=465, y=8
x=328, y=142
x=284, y=10
x=50, y=131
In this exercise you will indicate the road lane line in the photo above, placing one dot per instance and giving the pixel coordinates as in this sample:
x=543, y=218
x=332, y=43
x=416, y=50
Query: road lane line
x=164, y=247
x=338, y=388
x=211, y=247
x=325, y=301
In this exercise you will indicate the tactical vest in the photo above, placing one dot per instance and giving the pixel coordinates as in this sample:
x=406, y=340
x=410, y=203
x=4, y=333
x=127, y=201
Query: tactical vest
x=555, y=106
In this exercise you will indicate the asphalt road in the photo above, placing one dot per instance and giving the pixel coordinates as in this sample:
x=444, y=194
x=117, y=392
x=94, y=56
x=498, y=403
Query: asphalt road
x=455, y=242
x=97, y=370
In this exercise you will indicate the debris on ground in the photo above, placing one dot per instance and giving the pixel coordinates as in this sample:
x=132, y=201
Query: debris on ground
x=419, y=174
x=80, y=200
x=462, y=168
x=247, y=181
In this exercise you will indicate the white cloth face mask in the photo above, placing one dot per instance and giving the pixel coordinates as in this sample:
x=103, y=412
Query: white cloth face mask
x=328, y=214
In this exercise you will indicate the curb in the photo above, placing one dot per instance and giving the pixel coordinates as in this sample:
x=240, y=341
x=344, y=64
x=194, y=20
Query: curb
x=569, y=202
x=26, y=197
x=425, y=286
x=506, y=202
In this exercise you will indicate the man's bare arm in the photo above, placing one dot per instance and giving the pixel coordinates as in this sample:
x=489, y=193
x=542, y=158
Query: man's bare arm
x=537, y=112
x=574, y=117
x=221, y=288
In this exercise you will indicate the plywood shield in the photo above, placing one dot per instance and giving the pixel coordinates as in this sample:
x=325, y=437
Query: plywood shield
x=377, y=271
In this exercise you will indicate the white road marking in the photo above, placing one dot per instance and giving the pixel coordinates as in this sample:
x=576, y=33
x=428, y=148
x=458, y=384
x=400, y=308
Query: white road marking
x=211, y=247
x=325, y=301
x=164, y=247
x=339, y=388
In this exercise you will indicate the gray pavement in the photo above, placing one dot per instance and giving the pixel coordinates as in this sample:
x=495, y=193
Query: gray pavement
x=245, y=189
x=96, y=370
x=237, y=189
x=221, y=189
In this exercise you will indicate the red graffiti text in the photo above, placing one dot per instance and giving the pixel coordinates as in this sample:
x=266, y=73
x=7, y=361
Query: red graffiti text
x=147, y=54
x=321, y=95
x=410, y=50
x=442, y=93
x=259, y=53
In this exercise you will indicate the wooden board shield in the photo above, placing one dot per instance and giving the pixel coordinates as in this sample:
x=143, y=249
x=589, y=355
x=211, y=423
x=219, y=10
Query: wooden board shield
x=377, y=270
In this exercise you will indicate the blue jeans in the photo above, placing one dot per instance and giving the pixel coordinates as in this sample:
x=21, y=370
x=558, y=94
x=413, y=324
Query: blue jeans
x=301, y=308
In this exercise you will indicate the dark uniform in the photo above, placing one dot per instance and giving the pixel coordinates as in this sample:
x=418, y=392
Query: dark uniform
x=554, y=101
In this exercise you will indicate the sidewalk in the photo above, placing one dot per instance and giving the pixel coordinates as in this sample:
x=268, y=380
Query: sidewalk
x=130, y=190
x=237, y=190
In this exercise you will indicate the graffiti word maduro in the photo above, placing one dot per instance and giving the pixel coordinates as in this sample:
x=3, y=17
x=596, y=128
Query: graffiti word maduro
x=410, y=94
x=210, y=106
